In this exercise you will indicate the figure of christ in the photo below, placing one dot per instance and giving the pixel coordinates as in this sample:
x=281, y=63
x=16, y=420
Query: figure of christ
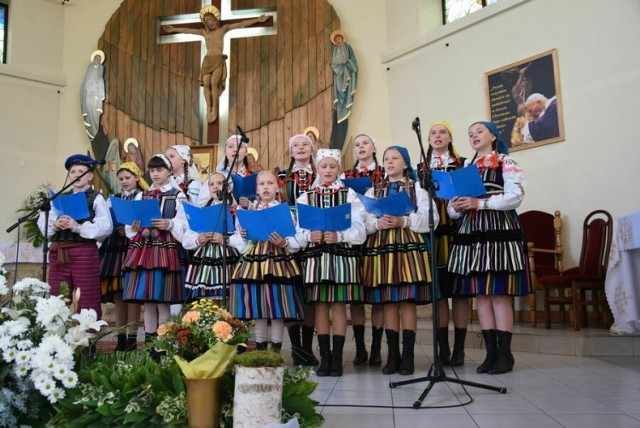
x=213, y=71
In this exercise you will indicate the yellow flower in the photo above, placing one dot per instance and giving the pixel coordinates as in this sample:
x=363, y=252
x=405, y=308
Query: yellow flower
x=223, y=330
x=191, y=316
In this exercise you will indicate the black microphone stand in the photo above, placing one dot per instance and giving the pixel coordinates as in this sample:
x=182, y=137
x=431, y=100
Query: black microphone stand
x=226, y=196
x=436, y=373
x=45, y=207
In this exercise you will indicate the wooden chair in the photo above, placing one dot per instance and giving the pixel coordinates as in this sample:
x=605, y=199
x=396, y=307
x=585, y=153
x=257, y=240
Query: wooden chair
x=543, y=232
x=589, y=275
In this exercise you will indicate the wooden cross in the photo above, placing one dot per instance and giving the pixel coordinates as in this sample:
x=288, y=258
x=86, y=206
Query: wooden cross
x=211, y=131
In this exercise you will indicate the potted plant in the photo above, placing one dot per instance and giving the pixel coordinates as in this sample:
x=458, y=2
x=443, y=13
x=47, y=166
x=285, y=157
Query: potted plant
x=257, y=398
x=203, y=343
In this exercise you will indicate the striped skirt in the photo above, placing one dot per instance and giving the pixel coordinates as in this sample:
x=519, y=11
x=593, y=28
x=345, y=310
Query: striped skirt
x=265, y=263
x=396, y=267
x=265, y=301
x=488, y=255
x=332, y=273
x=205, y=272
x=112, y=254
x=153, y=270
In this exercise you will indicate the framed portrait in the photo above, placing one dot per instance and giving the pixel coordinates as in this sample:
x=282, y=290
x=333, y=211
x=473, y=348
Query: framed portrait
x=205, y=157
x=523, y=99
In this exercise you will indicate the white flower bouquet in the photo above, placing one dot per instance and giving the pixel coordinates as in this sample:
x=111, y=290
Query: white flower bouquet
x=40, y=337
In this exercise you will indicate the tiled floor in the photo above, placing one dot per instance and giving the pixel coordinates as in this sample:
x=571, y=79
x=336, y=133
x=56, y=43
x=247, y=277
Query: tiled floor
x=544, y=390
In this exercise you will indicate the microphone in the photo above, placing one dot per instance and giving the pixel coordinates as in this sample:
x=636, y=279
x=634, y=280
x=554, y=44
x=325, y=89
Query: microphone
x=243, y=137
x=219, y=194
x=415, y=124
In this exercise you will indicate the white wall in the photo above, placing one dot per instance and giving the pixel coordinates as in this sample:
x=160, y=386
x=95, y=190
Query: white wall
x=595, y=167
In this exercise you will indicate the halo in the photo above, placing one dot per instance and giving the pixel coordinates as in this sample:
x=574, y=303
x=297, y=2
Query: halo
x=97, y=52
x=337, y=33
x=209, y=10
x=130, y=141
x=313, y=130
x=253, y=151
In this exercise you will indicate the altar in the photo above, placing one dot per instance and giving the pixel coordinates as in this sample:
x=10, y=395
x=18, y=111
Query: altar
x=622, y=284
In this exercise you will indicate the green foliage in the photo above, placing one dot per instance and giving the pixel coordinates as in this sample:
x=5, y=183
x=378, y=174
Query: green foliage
x=33, y=200
x=296, y=400
x=259, y=359
x=124, y=389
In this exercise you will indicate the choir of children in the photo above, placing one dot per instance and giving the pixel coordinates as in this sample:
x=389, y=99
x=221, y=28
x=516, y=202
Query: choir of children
x=308, y=278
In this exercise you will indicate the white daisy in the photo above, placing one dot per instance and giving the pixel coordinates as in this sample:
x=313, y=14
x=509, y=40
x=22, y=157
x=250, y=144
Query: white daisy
x=70, y=380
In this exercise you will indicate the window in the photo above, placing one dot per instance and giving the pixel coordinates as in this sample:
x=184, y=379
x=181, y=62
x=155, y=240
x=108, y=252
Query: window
x=455, y=9
x=4, y=11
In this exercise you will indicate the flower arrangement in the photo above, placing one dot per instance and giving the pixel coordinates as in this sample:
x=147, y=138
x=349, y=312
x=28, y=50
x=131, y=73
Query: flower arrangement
x=203, y=340
x=40, y=337
x=33, y=201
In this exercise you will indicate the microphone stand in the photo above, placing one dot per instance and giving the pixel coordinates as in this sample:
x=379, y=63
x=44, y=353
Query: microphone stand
x=45, y=207
x=226, y=196
x=436, y=373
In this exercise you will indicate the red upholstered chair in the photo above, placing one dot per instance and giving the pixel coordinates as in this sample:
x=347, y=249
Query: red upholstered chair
x=543, y=232
x=588, y=275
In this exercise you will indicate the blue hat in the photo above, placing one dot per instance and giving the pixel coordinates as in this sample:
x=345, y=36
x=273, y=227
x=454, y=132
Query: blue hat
x=407, y=159
x=501, y=146
x=78, y=159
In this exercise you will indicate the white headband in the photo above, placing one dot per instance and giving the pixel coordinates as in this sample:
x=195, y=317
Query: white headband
x=373, y=140
x=304, y=137
x=328, y=153
x=164, y=159
x=183, y=151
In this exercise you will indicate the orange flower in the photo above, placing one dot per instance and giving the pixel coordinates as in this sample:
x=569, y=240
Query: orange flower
x=222, y=330
x=163, y=328
x=191, y=316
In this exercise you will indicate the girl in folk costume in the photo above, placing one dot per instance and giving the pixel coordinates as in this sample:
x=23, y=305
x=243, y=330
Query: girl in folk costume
x=331, y=262
x=185, y=172
x=267, y=278
x=298, y=179
x=112, y=255
x=488, y=254
x=396, y=268
x=364, y=149
x=154, y=272
x=73, y=255
x=442, y=156
x=232, y=146
x=205, y=275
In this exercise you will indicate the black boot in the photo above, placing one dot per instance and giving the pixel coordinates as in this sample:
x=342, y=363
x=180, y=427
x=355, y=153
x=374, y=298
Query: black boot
x=261, y=346
x=122, y=342
x=444, y=352
x=504, y=362
x=393, y=357
x=324, y=369
x=361, y=350
x=375, y=359
x=457, y=358
x=336, y=355
x=132, y=342
x=491, y=343
x=276, y=347
x=408, y=342
x=297, y=354
x=307, y=346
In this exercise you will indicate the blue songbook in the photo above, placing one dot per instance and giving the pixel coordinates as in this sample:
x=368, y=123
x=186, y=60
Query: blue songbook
x=359, y=185
x=259, y=224
x=126, y=212
x=397, y=204
x=73, y=205
x=332, y=219
x=208, y=219
x=244, y=186
x=461, y=182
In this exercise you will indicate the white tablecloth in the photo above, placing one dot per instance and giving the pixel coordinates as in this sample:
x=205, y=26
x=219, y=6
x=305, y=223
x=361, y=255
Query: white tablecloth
x=622, y=284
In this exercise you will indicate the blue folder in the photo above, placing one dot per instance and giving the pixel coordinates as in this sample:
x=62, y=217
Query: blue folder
x=359, y=185
x=332, y=219
x=397, y=204
x=73, y=205
x=207, y=219
x=461, y=182
x=244, y=186
x=126, y=212
x=260, y=224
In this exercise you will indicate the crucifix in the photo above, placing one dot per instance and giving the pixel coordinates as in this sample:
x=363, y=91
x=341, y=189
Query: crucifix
x=210, y=28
